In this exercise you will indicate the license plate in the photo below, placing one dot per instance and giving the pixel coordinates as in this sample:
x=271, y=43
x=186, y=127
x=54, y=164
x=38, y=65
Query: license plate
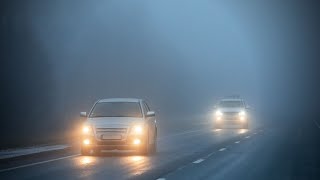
x=111, y=137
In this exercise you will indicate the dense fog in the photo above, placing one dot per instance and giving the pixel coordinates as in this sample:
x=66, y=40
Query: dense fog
x=59, y=57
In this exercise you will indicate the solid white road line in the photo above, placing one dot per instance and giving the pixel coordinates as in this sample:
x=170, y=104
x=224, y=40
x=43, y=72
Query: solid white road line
x=248, y=137
x=317, y=124
x=198, y=161
x=237, y=142
x=222, y=149
x=161, y=179
x=37, y=163
x=9, y=153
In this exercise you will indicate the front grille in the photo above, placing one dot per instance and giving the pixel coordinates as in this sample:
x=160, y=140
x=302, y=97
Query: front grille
x=115, y=134
x=230, y=113
x=111, y=142
x=111, y=130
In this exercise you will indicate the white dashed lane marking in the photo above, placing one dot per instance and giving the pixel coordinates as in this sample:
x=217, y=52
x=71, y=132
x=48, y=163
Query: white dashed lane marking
x=202, y=159
x=198, y=161
x=207, y=156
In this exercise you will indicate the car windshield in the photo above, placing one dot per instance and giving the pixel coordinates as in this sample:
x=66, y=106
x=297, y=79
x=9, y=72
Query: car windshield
x=116, y=109
x=230, y=104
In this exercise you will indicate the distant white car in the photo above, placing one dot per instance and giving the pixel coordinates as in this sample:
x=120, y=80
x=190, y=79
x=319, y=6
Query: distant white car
x=119, y=123
x=231, y=111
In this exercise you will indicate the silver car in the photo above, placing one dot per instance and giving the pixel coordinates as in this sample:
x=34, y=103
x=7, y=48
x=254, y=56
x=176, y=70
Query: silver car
x=231, y=111
x=119, y=123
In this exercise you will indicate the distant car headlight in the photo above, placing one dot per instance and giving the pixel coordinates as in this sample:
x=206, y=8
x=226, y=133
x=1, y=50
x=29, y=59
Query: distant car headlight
x=86, y=129
x=242, y=113
x=137, y=129
x=218, y=113
x=242, y=118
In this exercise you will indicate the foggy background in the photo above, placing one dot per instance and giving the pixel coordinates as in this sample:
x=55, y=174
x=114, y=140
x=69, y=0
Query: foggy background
x=59, y=57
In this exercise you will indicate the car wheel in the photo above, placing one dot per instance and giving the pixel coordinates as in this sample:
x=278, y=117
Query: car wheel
x=145, y=149
x=154, y=145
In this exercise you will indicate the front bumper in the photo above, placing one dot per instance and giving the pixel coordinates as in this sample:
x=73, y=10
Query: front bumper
x=127, y=144
x=230, y=121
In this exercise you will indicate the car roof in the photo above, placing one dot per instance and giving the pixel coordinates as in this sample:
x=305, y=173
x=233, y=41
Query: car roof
x=120, y=100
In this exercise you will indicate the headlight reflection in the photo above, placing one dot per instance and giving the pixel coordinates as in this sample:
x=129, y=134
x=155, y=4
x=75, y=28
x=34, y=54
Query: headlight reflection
x=85, y=160
x=242, y=131
x=136, y=158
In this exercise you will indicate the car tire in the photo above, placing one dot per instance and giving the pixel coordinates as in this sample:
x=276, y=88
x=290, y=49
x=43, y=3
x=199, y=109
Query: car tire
x=154, y=145
x=145, y=149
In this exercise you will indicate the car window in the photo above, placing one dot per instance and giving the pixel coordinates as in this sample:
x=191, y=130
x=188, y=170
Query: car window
x=231, y=104
x=145, y=108
x=148, y=108
x=116, y=109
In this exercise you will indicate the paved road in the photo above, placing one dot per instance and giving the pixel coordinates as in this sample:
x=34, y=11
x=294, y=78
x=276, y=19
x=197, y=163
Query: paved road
x=284, y=153
x=192, y=151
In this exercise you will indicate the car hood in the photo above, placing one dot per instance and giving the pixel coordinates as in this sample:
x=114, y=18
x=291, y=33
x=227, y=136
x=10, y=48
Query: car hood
x=114, y=122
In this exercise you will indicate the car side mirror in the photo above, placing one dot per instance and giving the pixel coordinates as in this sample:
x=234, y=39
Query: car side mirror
x=83, y=114
x=150, y=114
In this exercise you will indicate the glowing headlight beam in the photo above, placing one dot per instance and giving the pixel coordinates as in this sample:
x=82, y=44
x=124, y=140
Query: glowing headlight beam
x=86, y=142
x=136, y=141
x=137, y=130
x=86, y=129
x=242, y=113
x=218, y=113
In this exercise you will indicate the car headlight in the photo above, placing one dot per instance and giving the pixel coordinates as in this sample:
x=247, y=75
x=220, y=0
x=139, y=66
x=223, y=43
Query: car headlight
x=243, y=118
x=137, y=129
x=86, y=142
x=218, y=113
x=86, y=129
x=242, y=113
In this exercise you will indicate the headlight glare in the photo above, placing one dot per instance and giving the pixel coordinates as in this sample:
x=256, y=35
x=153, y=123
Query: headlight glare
x=86, y=129
x=218, y=113
x=137, y=129
x=136, y=141
x=242, y=113
x=86, y=142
